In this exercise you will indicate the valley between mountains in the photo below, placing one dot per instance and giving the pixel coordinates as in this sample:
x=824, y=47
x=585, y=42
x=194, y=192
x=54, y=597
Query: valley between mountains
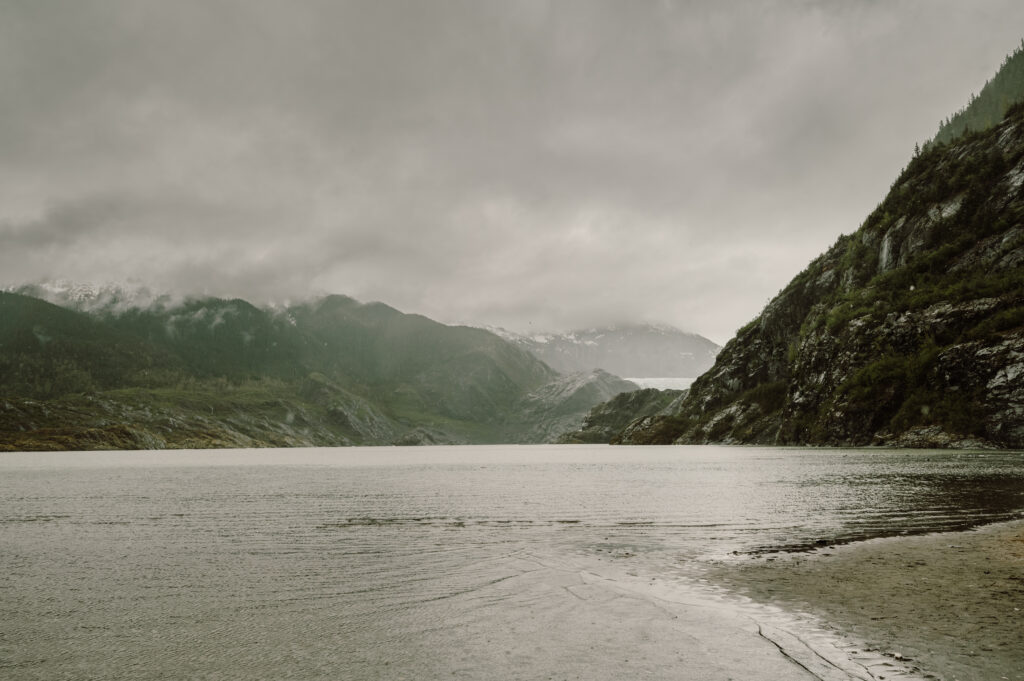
x=909, y=332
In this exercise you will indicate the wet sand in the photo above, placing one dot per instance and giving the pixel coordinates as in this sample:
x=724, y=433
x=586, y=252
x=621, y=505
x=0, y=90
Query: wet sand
x=950, y=605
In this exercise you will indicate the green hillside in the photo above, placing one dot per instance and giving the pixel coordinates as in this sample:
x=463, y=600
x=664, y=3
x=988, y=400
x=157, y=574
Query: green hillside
x=47, y=351
x=224, y=373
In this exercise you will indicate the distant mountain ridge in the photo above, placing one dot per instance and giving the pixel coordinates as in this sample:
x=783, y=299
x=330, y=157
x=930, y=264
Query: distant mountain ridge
x=633, y=350
x=213, y=372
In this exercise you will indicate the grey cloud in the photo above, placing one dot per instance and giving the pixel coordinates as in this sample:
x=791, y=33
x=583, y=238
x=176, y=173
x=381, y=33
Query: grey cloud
x=520, y=163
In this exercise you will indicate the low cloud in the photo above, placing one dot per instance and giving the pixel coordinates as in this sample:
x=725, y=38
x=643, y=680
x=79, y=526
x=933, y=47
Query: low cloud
x=528, y=164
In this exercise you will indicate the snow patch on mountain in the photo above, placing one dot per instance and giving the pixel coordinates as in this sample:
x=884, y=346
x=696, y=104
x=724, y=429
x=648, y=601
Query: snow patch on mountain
x=105, y=298
x=641, y=350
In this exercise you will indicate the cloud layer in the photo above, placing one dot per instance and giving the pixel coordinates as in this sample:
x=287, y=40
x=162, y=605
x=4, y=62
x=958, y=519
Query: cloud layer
x=537, y=165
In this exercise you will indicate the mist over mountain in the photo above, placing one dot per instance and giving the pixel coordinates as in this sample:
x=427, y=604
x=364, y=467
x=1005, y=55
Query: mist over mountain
x=633, y=350
x=672, y=161
x=528, y=164
x=122, y=368
x=106, y=297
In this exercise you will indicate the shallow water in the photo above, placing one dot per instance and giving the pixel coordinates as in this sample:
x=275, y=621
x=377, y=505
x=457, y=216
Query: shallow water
x=474, y=562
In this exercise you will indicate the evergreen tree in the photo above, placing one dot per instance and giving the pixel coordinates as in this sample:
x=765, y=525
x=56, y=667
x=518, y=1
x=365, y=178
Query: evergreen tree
x=988, y=107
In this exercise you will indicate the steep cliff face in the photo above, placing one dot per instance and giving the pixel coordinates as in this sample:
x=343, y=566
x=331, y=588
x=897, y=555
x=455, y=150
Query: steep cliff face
x=909, y=332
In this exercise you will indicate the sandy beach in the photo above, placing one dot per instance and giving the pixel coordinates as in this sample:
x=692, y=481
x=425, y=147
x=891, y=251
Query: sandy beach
x=950, y=605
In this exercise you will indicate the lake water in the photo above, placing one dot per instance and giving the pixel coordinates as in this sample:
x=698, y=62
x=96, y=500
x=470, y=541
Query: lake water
x=464, y=562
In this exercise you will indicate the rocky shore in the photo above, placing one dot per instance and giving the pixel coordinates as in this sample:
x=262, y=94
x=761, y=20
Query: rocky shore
x=950, y=605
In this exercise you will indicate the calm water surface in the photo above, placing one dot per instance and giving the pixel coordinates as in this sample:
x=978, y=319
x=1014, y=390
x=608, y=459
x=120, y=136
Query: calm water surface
x=419, y=563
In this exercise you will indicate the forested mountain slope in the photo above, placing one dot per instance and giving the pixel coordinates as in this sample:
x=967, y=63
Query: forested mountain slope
x=989, y=106
x=908, y=332
x=223, y=373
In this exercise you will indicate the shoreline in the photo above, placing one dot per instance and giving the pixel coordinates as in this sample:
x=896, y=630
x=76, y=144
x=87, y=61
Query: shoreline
x=948, y=604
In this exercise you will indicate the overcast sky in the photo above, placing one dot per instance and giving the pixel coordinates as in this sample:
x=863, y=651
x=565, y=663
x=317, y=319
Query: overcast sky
x=529, y=164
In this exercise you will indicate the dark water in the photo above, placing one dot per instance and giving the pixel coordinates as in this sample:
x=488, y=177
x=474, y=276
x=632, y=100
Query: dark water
x=417, y=563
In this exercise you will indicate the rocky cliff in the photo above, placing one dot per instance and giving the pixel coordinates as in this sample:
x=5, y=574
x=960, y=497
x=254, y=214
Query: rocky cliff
x=909, y=332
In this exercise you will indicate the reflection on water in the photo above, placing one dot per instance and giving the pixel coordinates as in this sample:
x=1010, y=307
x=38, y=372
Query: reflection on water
x=377, y=563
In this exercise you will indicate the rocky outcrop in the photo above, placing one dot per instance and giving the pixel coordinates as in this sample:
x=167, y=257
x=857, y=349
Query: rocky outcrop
x=910, y=332
x=605, y=421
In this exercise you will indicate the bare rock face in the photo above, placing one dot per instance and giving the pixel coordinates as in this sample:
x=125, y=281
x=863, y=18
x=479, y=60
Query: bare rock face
x=909, y=332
